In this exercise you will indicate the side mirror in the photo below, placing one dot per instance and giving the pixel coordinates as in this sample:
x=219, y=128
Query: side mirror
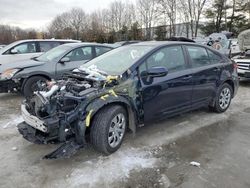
x=13, y=51
x=64, y=60
x=157, y=72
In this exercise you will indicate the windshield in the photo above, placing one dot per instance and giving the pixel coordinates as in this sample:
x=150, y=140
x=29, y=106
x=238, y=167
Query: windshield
x=54, y=54
x=117, y=61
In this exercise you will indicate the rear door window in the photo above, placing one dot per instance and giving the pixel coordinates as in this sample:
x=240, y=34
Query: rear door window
x=80, y=54
x=101, y=50
x=46, y=46
x=198, y=55
x=214, y=58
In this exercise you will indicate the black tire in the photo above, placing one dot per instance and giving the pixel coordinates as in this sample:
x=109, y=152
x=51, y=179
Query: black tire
x=217, y=107
x=99, y=131
x=29, y=85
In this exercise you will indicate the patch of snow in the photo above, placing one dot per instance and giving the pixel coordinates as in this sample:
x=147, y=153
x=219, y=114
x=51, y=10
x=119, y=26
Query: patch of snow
x=115, y=167
x=14, y=148
x=12, y=122
x=195, y=164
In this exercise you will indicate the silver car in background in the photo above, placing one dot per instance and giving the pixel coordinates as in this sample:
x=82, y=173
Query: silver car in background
x=26, y=49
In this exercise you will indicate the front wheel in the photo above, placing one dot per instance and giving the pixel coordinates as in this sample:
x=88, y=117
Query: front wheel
x=31, y=85
x=223, y=98
x=108, y=129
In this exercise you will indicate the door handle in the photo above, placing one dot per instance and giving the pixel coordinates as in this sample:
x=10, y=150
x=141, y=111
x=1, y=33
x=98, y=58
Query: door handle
x=188, y=77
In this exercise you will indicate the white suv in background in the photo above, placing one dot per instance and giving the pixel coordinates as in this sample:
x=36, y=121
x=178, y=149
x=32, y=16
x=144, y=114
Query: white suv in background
x=243, y=60
x=243, y=64
x=26, y=49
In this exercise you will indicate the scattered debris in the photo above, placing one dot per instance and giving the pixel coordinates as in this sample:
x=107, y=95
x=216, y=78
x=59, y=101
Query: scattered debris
x=195, y=164
x=14, y=148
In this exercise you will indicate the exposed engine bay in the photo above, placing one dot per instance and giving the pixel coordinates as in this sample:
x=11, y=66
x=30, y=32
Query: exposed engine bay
x=57, y=112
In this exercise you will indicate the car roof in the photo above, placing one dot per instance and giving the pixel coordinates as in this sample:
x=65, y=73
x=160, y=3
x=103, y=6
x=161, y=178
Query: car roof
x=159, y=44
x=86, y=44
x=47, y=40
x=163, y=43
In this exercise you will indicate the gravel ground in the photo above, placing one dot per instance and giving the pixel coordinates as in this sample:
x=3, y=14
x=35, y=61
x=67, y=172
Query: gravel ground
x=159, y=155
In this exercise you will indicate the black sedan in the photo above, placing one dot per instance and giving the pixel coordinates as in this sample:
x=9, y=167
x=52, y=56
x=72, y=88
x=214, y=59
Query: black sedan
x=126, y=87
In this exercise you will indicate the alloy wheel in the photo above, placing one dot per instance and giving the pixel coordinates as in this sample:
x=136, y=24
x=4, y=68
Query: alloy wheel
x=225, y=98
x=116, y=130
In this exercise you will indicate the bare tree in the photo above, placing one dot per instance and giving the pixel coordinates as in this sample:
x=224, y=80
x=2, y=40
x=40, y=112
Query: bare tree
x=116, y=15
x=77, y=20
x=168, y=7
x=147, y=12
x=184, y=16
x=121, y=14
x=68, y=24
x=194, y=9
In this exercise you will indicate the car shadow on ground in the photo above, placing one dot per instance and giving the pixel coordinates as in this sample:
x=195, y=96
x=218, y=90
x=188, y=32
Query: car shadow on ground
x=245, y=83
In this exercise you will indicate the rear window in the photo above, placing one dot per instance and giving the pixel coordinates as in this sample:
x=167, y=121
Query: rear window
x=198, y=55
x=46, y=46
x=214, y=58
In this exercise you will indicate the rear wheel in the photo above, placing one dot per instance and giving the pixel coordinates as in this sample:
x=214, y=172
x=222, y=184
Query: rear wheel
x=108, y=129
x=223, y=98
x=31, y=85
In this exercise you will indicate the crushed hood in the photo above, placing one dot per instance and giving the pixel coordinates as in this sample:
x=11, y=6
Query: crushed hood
x=244, y=40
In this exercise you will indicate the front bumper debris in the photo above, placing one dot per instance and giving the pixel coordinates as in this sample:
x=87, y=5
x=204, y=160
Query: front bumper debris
x=32, y=120
x=31, y=134
x=7, y=86
x=66, y=150
x=52, y=130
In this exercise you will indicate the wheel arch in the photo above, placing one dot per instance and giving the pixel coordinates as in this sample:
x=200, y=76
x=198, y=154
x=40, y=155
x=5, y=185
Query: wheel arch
x=24, y=80
x=231, y=83
x=99, y=104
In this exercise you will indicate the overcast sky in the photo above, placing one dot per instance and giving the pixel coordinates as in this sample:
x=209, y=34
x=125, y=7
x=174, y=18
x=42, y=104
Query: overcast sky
x=38, y=13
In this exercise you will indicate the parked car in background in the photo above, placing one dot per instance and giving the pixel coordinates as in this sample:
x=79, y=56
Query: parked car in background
x=235, y=48
x=243, y=60
x=221, y=43
x=23, y=76
x=26, y=49
x=128, y=86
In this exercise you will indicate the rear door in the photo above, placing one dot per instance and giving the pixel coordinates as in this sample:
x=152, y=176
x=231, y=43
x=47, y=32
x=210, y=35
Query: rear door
x=206, y=67
x=44, y=46
x=168, y=95
x=77, y=57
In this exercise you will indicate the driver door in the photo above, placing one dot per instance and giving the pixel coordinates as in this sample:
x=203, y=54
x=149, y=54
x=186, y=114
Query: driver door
x=23, y=51
x=168, y=95
x=76, y=58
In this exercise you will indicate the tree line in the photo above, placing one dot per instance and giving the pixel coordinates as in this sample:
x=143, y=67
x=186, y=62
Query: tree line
x=143, y=20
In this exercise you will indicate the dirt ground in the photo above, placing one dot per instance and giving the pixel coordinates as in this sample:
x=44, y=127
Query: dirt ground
x=159, y=155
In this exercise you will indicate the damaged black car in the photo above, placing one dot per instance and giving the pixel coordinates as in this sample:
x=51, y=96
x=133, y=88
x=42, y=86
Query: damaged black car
x=124, y=88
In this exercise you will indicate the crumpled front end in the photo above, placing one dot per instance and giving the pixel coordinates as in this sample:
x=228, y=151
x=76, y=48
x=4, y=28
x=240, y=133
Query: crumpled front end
x=39, y=131
x=57, y=113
